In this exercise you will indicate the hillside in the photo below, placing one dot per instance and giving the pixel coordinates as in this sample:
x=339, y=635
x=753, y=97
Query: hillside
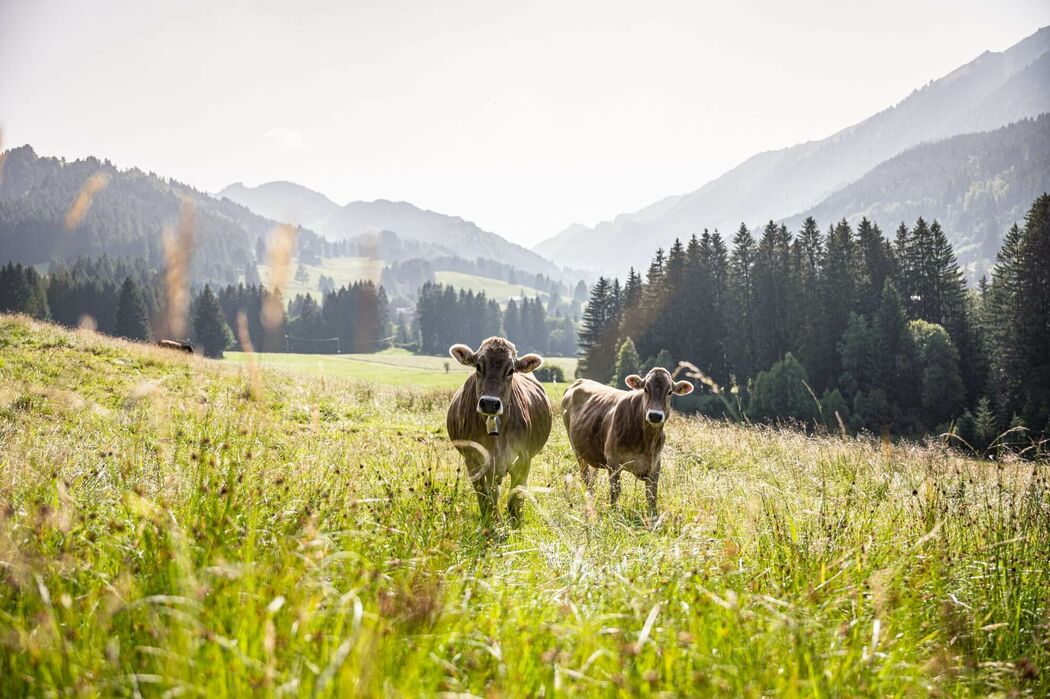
x=126, y=217
x=442, y=234
x=976, y=185
x=164, y=532
x=991, y=91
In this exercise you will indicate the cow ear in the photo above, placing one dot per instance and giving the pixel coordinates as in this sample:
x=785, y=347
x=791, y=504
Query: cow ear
x=634, y=381
x=683, y=388
x=527, y=363
x=463, y=354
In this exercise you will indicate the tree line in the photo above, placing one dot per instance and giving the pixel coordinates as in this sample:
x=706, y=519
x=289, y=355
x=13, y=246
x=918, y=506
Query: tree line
x=445, y=316
x=842, y=326
x=125, y=298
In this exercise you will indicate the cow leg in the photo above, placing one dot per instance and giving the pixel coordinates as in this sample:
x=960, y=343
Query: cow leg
x=519, y=476
x=483, y=478
x=652, y=480
x=614, y=484
x=587, y=474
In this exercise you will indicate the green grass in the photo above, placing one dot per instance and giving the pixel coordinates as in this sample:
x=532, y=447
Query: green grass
x=494, y=288
x=392, y=367
x=347, y=270
x=164, y=533
x=344, y=270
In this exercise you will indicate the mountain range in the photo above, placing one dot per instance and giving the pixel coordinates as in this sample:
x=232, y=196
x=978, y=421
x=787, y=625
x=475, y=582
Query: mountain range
x=125, y=217
x=448, y=235
x=989, y=92
x=977, y=185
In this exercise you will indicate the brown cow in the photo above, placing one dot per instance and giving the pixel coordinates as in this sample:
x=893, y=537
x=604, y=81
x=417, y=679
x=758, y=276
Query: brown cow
x=621, y=430
x=176, y=345
x=498, y=420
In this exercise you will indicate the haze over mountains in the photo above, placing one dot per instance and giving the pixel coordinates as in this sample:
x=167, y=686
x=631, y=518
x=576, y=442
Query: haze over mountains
x=952, y=150
x=449, y=235
x=976, y=185
x=125, y=218
x=991, y=91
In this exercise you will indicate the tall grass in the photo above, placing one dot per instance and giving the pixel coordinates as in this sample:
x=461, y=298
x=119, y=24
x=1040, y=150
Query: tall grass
x=163, y=533
x=178, y=252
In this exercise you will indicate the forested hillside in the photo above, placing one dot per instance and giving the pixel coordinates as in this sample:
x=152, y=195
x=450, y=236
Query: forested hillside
x=976, y=185
x=848, y=328
x=123, y=214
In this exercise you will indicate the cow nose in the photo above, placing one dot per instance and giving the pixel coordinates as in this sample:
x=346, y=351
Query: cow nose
x=490, y=405
x=655, y=417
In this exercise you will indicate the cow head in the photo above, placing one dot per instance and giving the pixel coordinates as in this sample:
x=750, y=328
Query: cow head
x=658, y=386
x=495, y=362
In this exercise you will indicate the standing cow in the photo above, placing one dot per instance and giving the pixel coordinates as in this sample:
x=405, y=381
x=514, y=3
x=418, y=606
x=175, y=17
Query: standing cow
x=498, y=420
x=621, y=430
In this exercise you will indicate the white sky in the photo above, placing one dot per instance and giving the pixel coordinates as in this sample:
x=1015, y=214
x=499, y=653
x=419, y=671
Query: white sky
x=520, y=116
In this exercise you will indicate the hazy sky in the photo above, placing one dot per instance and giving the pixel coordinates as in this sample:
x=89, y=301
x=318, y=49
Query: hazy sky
x=521, y=116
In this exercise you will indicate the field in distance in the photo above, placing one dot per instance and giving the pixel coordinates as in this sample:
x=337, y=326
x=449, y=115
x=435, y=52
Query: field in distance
x=391, y=367
x=347, y=270
x=344, y=270
x=494, y=288
x=175, y=526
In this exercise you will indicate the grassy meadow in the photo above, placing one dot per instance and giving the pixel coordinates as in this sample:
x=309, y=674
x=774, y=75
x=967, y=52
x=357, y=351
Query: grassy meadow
x=389, y=368
x=347, y=270
x=494, y=288
x=175, y=526
x=344, y=270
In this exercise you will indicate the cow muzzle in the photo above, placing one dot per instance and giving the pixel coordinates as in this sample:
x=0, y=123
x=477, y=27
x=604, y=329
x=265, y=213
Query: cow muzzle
x=491, y=408
x=655, y=417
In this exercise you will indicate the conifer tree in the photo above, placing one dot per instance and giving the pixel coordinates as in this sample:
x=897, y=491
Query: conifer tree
x=839, y=297
x=876, y=265
x=627, y=363
x=1022, y=289
x=741, y=303
x=209, y=326
x=772, y=293
x=598, y=331
x=132, y=315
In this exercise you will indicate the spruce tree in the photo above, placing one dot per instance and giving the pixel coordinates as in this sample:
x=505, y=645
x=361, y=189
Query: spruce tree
x=132, y=315
x=741, y=303
x=209, y=326
x=653, y=301
x=876, y=265
x=806, y=306
x=1026, y=361
x=598, y=330
x=838, y=299
x=627, y=363
x=772, y=293
x=633, y=320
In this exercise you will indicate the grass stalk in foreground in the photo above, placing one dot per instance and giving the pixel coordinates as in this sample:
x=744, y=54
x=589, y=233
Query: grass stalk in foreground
x=163, y=533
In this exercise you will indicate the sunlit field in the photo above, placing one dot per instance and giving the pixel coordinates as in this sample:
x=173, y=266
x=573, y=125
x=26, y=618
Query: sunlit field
x=392, y=367
x=347, y=270
x=493, y=288
x=166, y=530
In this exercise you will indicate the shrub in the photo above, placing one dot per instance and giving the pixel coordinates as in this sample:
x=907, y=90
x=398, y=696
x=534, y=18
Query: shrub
x=781, y=393
x=550, y=373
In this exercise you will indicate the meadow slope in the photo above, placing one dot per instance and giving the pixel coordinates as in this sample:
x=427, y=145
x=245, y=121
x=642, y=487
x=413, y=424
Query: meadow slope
x=167, y=529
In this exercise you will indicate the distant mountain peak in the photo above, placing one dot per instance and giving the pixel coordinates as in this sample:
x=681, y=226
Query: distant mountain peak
x=994, y=89
x=456, y=235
